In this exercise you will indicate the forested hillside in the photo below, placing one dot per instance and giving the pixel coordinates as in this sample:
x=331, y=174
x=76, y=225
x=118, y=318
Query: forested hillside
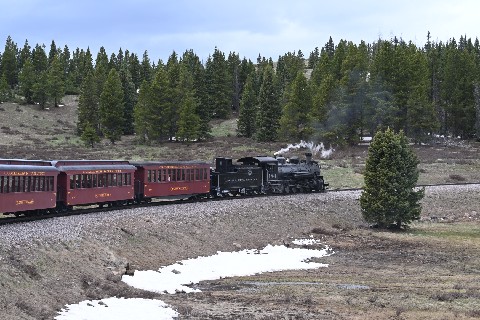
x=337, y=94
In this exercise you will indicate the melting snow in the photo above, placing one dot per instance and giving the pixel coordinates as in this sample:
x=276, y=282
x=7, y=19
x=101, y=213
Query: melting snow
x=177, y=277
x=118, y=309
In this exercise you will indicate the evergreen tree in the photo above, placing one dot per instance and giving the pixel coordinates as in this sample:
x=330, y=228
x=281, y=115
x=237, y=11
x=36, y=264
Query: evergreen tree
x=89, y=135
x=233, y=64
x=421, y=115
x=247, y=68
x=102, y=69
x=69, y=72
x=83, y=62
x=171, y=110
x=9, y=63
x=5, y=91
x=248, y=110
x=477, y=110
x=287, y=69
x=313, y=58
x=111, y=107
x=40, y=89
x=52, y=53
x=150, y=112
x=217, y=85
x=160, y=107
x=130, y=98
x=188, y=121
x=134, y=68
x=141, y=113
x=146, y=70
x=88, y=105
x=380, y=111
x=196, y=69
x=268, y=108
x=25, y=54
x=39, y=59
x=56, y=84
x=295, y=122
x=323, y=84
x=26, y=80
x=40, y=66
x=391, y=175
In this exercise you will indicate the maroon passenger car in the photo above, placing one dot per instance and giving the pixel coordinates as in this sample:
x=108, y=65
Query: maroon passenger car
x=27, y=186
x=175, y=180
x=84, y=182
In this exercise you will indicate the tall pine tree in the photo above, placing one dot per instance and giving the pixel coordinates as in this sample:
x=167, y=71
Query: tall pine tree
x=296, y=122
x=88, y=105
x=111, y=107
x=248, y=110
x=188, y=121
x=268, y=107
x=56, y=83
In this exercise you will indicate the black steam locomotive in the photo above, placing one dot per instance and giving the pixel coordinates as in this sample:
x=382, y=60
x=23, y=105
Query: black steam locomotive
x=263, y=174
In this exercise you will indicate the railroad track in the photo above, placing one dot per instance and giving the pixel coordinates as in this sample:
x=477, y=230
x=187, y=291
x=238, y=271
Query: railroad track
x=83, y=211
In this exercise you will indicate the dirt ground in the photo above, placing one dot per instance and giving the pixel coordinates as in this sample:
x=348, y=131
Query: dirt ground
x=431, y=271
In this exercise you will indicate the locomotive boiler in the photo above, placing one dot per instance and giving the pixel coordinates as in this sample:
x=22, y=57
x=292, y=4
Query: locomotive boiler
x=295, y=175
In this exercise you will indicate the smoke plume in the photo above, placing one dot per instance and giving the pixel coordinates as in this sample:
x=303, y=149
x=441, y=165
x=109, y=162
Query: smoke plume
x=314, y=148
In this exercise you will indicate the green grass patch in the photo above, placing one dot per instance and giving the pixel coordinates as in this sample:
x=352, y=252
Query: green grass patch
x=227, y=128
x=340, y=177
x=453, y=231
x=64, y=139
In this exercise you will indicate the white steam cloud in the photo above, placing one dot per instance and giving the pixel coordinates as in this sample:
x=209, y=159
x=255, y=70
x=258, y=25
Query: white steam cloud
x=314, y=148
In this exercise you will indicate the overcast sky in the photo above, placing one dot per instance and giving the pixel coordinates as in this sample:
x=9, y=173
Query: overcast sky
x=249, y=27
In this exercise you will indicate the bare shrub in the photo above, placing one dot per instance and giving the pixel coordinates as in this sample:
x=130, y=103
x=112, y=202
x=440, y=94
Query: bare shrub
x=456, y=177
x=359, y=169
x=447, y=296
x=323, y=230
x=30, y=270
x=473, y=313
x=26, y=307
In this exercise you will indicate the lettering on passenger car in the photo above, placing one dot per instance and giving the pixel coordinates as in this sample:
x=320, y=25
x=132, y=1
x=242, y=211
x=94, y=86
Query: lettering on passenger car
x=24, y=202
x=103, y=195
x=25, y=173
x=185, y=188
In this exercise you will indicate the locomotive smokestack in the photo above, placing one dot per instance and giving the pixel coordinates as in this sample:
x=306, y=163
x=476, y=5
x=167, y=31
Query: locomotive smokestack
x=308, y=155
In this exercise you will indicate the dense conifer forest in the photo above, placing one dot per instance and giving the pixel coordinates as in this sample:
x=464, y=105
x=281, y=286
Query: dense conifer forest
x=337, y=94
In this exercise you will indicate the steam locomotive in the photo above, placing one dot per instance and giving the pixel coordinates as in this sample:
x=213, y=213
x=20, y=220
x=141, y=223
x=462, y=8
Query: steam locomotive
x=263, y=174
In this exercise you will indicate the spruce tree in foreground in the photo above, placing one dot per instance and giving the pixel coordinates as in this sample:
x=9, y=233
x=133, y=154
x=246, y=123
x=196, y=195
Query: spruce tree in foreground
x=389, y=196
